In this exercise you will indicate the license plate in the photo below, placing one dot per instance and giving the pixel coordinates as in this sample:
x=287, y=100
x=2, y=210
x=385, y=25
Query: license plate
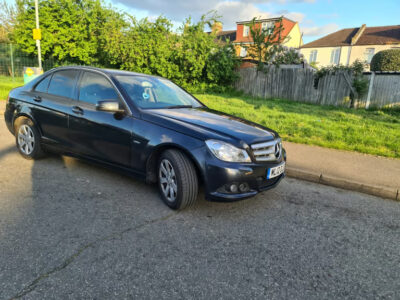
x=276, y=171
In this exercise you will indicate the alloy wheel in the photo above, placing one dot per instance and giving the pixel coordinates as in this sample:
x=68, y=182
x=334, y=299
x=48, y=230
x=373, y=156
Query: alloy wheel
x=26, y=139
x=168, y=180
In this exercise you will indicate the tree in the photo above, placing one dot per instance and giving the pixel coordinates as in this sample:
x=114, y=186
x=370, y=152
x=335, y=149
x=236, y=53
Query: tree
x=72, y=30
x=7, y=21
x=142, y=46
x=90, y=33
x=221, y=66
x=193, y=50
x=265, y=41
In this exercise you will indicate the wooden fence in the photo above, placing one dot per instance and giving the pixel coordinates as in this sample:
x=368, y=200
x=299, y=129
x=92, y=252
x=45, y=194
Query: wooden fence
x=298, y=84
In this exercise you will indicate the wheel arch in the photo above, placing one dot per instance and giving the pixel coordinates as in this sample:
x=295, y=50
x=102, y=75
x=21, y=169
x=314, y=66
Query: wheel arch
x=151, y=164
x=24, y=114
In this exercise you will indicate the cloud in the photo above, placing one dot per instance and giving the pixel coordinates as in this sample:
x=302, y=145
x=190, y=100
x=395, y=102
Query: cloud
x=179, y=9
x=319, y=30
x=233, y=12
x=230, y=12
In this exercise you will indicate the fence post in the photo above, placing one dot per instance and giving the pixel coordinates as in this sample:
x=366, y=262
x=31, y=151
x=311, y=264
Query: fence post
x=371, y=84
x=355, y=94
x=12, y=62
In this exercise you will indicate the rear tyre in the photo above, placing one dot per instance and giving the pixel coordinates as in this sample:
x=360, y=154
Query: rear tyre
x=177, y=179
x=28, y=139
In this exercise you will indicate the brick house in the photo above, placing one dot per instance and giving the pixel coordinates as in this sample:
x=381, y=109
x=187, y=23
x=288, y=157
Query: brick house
x=290, y=35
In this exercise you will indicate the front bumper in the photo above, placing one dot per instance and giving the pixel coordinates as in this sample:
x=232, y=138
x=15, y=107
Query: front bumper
x=221, y=174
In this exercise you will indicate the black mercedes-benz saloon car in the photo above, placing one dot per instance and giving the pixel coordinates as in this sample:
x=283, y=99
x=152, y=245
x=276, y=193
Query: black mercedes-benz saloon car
x=147, y=126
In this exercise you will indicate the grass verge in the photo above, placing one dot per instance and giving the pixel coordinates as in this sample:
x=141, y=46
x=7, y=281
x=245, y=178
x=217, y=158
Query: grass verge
x=368, y=131
x=7, y=84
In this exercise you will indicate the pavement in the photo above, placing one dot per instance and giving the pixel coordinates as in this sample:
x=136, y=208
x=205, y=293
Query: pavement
x=72, y=230
x=374, y=175
x=369, y=174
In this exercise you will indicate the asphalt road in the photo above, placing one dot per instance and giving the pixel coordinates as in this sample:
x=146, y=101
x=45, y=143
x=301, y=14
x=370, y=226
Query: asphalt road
x=69, y=229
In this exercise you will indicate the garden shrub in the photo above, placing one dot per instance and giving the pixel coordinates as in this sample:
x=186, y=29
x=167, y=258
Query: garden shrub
x=386, y=60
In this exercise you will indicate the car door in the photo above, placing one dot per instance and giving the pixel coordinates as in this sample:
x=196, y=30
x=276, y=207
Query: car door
x=53, y=98
x=98, y=134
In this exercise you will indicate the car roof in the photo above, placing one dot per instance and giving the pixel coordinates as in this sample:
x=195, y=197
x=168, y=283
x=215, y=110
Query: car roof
x=105, y=71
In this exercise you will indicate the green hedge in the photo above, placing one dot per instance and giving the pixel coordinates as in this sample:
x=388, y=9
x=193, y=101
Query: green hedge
x=386, y=60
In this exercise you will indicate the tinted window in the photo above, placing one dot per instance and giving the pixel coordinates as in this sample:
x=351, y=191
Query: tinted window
x=42, y=86
x=62, y=83
x=95, y=87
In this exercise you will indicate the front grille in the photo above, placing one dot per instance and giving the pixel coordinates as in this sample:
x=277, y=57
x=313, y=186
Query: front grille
x=267, y=151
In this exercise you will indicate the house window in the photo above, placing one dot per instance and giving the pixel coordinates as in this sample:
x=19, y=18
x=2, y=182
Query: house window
x=335, y=56
x=268, y=26
x=369, y=53
x=243, y=52
x=313, y=56
x=246, y=30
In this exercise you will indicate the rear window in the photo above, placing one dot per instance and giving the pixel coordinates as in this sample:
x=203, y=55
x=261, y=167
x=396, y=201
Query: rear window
x=62, y=83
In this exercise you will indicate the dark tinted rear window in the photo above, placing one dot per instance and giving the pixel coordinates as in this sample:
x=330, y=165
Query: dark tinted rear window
x=62, y=83
x=42, y=86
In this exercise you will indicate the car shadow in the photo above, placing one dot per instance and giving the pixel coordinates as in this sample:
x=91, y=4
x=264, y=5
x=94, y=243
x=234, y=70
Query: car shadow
x=4, y=152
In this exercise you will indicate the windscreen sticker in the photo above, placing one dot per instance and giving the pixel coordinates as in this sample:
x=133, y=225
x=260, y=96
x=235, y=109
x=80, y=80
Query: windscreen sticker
x=145, y=96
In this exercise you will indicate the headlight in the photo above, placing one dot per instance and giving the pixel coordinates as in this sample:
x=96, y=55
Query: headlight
x=227, y=152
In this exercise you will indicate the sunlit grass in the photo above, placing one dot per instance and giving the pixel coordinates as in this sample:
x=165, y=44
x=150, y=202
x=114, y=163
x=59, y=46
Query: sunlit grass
x=7, y=84
x=372, y=132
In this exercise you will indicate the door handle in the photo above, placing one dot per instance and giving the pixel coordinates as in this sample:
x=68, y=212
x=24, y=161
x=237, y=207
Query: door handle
x=37, y=99
x=77, y=110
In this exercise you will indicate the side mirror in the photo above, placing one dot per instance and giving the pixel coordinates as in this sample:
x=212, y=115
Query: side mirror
x=108, y=105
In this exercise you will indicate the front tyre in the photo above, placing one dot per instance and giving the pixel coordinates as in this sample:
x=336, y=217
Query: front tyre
x=177, y=179
x=28, y=139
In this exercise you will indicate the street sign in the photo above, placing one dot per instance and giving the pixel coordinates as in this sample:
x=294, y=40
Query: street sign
x=37, y=34
x=31, y=72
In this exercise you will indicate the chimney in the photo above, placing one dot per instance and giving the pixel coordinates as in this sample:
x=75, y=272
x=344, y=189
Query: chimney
x=358, y=34
x=216, y=27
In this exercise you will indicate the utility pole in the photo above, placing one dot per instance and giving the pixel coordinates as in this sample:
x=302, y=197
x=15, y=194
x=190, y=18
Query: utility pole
x=12, y=62
x=37, y=28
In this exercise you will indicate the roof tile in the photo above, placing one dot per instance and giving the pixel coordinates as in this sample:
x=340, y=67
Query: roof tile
x=381, y=35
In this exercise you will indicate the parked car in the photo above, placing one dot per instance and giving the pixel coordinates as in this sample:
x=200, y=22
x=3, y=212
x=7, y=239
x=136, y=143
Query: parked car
x=146, y=126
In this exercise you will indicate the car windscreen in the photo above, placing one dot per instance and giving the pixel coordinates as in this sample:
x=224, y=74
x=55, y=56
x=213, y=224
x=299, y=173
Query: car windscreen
x=152, y=92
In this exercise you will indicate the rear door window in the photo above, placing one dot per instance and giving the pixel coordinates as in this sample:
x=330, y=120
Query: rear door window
x=43, y=85
x=63, y=83
x=95, y=87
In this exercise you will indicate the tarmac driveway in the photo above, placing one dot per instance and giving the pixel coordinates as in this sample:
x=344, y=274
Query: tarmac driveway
x=69, y=229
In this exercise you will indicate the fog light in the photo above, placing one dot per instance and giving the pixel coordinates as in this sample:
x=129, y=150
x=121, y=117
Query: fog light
x=243, y=187
x=234, y=188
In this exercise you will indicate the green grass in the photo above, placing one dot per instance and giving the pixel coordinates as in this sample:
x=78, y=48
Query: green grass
x=367, y=131
x=7, y=84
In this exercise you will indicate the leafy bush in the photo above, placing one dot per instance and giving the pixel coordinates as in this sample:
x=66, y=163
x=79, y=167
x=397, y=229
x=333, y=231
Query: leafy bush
x=386, y=60
x=287, y=56
x=90, y=33
x=221, y=66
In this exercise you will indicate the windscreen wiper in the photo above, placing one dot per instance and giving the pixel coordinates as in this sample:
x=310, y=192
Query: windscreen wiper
x=180, y=106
